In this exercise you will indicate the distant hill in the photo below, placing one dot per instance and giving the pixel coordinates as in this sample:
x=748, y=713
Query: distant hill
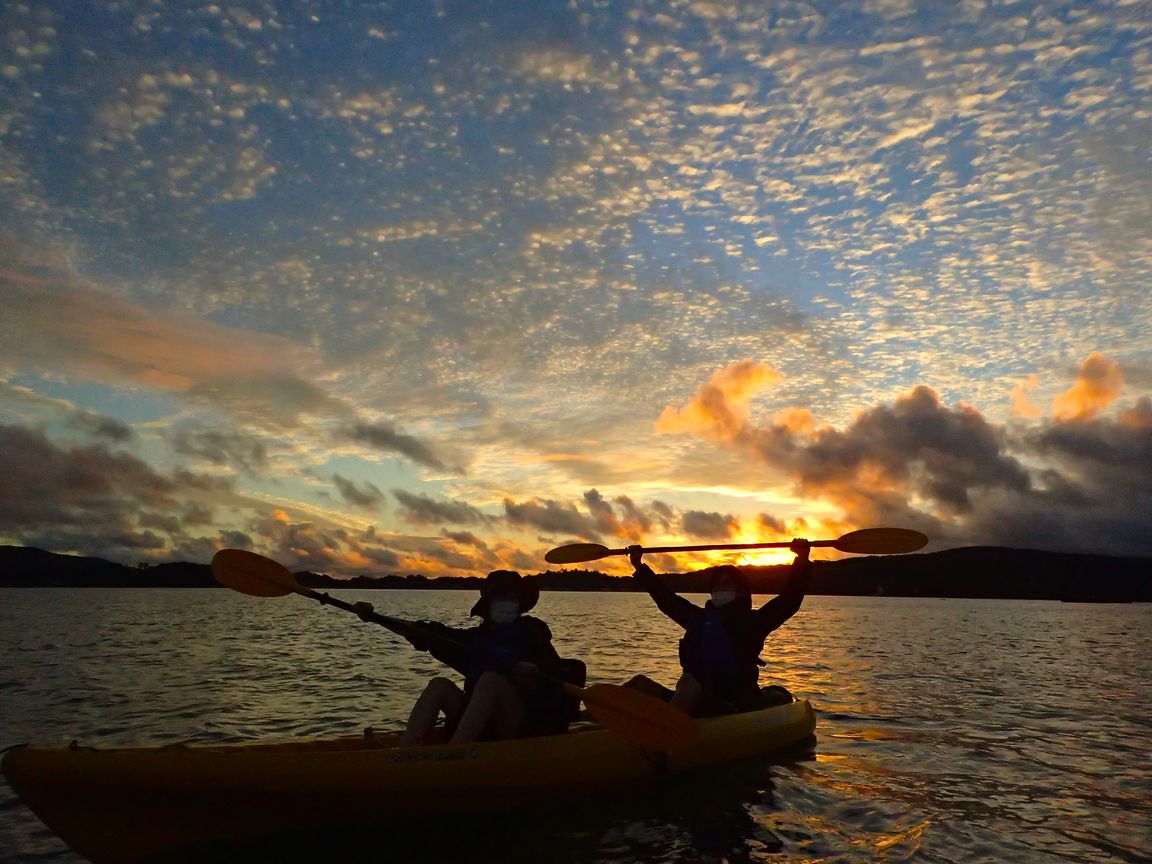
x=972, y=571
x=21, y=566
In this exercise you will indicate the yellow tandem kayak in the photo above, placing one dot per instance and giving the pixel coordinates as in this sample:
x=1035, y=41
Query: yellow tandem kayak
x=123, y=804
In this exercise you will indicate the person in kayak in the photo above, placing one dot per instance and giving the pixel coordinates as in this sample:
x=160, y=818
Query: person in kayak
x=511, y=670
x=722, y=641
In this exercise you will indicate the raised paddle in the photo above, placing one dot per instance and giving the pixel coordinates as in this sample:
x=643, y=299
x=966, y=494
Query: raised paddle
x=633, y=715
x=867, y=541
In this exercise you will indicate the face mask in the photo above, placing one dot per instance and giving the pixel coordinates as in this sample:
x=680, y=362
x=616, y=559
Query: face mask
x=503, y=611
x=723, y=598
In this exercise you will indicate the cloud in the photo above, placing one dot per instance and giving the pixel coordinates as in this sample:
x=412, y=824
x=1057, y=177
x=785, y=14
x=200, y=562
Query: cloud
x=94, y=500
x=365, y=495
x=1022, y=405
x=101, y=426
x=551, y=517
x=665, y=515
x=1098, y=384
x=420, y=509
x=235, y=540
x=385, y=437
x=42, y=483
x=602, y=513
x=635, y=523
x=1073, y=484
x=771, y=525
x=59, y=323
x=719, y=408
x=709, y=526
x=237, y=449
x=465, y=538
x=558, y=233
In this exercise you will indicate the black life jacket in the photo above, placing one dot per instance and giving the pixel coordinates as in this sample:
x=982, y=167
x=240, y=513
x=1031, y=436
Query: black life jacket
x=496, y=646
x=721, y=650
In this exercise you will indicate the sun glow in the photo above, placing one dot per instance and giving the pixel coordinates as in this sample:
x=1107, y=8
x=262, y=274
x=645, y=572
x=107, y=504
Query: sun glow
x=764, y=557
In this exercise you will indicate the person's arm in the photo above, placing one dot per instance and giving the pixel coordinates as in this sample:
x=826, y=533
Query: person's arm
x=449, y=645
x=667, y=601
x=779, y=609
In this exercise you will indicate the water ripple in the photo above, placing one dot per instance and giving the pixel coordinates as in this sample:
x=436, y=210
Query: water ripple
x=949, y=730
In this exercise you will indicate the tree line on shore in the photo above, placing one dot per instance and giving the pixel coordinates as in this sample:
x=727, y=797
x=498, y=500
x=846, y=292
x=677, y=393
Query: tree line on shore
x=971, y=571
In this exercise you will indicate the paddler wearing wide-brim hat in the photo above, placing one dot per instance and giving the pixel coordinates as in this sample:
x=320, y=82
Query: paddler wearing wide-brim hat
x=506, y=586
x=511, y=671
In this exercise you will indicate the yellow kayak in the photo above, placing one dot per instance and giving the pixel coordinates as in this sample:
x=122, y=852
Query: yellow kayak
x=123, y=804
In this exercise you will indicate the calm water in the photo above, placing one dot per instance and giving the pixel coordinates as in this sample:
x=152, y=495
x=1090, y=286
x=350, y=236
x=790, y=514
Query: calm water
x=949, y=730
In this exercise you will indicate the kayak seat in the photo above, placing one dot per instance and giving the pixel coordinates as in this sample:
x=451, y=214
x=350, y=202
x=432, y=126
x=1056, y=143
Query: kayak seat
x=774, y=695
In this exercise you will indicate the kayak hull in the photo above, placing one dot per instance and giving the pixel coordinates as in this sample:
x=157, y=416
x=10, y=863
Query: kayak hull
x=118, y=804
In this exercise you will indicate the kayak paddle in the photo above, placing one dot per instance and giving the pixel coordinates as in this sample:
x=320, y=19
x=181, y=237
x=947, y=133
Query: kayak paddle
x=635, y=716
x=867, y=541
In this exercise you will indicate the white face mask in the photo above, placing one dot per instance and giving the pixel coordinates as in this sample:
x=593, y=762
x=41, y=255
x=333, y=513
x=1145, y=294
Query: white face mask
x=723, y=598
x=504, y=611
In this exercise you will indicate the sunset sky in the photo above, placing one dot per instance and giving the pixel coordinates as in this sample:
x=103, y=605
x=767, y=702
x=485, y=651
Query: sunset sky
x=432, y=287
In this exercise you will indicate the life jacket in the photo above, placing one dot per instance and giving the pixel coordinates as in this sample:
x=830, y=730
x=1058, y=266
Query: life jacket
x=496, y=646
x=548, y=709
x=720, y=652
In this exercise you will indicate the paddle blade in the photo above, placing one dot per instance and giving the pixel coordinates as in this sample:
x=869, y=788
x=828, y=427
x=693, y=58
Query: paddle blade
x=881, y=541
x=253, y=574
x=640, y=718
x=574, y=553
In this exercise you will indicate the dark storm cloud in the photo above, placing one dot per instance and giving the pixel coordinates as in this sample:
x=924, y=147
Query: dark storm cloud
x=384, y=436
x=1077, y=484
x=918, y=443
x=768, y=522
x=523, y=562
x=278, y=400
x=635, y=522
x=235, y=540
x=42, y=483
x=465, y=538
x=165, y=522
x=550, y=516
x=100, y=426
x=664, y=514
x=1098, y=494
x=422, y=510
x=709, y=526
x=95, y=500
x=365, y=494
x=379, y=556
x=235, y=449
x=602, y=513
x=1109, y=454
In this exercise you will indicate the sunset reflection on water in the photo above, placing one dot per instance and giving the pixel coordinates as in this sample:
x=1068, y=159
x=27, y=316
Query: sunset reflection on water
x=947, y=729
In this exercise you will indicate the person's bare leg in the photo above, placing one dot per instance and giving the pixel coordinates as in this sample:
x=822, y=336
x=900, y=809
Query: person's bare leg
x=646, y=685
x=441, y=694
x=493, y=706
x=688, y=693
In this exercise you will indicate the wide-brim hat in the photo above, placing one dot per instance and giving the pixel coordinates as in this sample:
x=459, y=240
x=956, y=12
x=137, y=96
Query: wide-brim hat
x=500, y=582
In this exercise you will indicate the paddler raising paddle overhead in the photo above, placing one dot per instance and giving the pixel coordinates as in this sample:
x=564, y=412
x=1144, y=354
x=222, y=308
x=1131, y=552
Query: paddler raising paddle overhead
x=512, y=685
x=723, y=639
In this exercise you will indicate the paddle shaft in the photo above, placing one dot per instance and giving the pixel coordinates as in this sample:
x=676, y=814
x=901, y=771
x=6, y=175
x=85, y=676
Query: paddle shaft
x=708, y=547
x=396, y=625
